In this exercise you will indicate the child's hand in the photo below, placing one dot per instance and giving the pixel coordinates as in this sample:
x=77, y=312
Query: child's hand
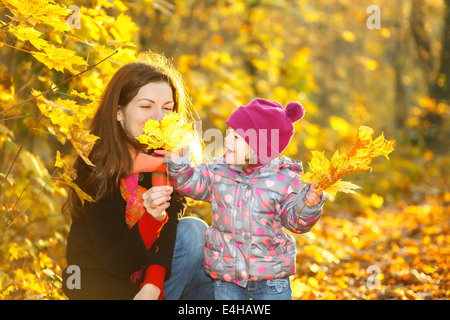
x=313, y=196
x=170, y=154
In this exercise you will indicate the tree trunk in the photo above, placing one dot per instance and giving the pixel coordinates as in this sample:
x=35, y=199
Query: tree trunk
x=440, y=88
x=436, y=131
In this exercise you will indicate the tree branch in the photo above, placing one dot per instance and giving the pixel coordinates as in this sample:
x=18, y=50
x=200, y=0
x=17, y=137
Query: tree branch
x=31, y=204
x=52, y=89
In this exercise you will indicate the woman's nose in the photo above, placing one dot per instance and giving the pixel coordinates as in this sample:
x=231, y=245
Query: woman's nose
x=158, y=114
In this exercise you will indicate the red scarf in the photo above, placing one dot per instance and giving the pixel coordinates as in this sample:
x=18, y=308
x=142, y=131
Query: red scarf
x=135, y=204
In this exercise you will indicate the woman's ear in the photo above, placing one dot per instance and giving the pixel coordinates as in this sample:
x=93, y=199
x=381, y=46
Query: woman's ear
x=119, y=114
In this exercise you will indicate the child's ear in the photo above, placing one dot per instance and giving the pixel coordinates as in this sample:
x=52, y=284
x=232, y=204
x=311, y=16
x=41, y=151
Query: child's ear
x=251, y=156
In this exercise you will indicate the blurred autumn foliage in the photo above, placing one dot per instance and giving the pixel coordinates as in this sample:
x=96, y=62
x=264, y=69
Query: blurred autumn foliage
x=391, y=242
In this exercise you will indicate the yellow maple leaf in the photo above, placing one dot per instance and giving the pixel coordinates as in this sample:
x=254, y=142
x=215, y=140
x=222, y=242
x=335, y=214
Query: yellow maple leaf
x=59, y=114
x=25, y=33
x=153, y=135
x=82, y=141
x=39, y=11
x=327, y=174
x=59, y=58
x=68, y=176
x=63, y=164
x=172, y=133
x=123, y=30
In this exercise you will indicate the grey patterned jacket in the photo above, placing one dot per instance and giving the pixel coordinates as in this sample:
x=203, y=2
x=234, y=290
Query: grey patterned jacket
x=246, y=240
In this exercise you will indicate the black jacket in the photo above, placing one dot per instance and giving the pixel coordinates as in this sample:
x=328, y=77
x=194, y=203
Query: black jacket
x=108, y=253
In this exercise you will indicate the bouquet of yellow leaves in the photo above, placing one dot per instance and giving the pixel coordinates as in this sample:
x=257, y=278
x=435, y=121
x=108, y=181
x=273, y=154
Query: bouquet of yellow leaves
x=172, y=133
x=327, y=174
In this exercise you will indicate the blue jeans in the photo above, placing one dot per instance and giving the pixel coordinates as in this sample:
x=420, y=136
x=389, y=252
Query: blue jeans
x=275, y=289
x=188, y=280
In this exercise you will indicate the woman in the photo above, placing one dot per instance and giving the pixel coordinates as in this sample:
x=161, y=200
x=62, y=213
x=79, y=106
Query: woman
x=131, y=243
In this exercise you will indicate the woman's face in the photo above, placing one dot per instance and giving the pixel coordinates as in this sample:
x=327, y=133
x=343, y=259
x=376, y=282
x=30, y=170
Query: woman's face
x=153, y=101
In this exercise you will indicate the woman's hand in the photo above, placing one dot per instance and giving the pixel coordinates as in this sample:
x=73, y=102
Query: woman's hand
x=156, y=201
x=148, y=292
x=313, y=196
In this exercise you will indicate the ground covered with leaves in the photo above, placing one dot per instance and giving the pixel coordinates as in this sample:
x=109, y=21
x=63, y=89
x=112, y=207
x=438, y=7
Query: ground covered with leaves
x=389, y=254
x=401, y=253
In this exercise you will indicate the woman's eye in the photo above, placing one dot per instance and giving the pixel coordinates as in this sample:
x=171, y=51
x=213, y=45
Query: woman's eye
x=146, y=107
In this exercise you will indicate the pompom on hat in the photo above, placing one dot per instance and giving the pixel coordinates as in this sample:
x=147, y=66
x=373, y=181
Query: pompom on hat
x=295, y=111
x=273, y=124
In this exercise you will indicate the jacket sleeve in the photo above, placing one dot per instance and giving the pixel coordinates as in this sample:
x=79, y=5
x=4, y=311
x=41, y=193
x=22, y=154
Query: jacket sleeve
x=296, y=216
x=193, y=182
x=149, y=228
x=160, y=266
x=165, y=244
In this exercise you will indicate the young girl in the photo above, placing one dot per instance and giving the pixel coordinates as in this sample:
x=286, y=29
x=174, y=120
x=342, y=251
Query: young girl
x=247, y=251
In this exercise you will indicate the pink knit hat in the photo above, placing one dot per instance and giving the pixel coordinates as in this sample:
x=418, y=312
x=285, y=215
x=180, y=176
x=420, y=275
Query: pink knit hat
x=266, y=126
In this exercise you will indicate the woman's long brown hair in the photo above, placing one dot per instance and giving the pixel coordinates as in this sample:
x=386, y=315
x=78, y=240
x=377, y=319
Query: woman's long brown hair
x=111, y=153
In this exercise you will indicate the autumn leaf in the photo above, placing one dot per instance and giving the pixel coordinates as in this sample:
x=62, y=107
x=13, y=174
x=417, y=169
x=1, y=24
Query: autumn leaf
x=68, y=176
x=99, y=48
x=82, y=141
x=153, y=135
x=68, y=116
x=327, y=174
x=59, y=58
x=172, y=133
x=342, y=186
x=25, y=33
x=123, y=30
x=39, y=11
x=69, y=171
x=64, y=112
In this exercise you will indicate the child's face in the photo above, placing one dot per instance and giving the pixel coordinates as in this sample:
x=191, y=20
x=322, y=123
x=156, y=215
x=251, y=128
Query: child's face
x=237, y=150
